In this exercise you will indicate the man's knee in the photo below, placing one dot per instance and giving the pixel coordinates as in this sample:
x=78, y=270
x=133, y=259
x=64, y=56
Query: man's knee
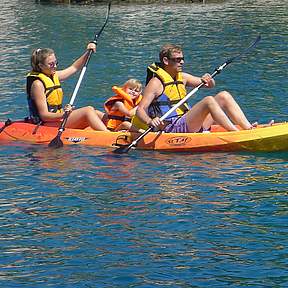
x=223, y=96
x=209, y=100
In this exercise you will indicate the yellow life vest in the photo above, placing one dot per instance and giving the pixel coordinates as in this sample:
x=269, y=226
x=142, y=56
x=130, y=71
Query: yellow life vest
x=53, y=92
x=115, y=117
x=174, y=91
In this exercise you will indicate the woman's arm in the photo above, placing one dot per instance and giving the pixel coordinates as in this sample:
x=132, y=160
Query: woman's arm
x=38, y=95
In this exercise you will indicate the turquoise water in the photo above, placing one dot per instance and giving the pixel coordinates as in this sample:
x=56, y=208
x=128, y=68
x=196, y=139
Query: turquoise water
x=86, y=217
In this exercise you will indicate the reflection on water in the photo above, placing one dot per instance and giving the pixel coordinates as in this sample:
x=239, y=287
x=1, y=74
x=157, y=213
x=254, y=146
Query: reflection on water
x=161, y=220
x=85, y=217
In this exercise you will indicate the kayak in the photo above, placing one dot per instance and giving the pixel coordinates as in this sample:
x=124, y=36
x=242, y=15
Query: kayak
x=262, y=138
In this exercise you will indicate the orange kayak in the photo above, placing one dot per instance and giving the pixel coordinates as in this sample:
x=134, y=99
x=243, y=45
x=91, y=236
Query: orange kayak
x=263, y=138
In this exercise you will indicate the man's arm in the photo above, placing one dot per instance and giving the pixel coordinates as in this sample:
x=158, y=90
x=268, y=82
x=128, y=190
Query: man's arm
x=153, y=89
x=194, y=81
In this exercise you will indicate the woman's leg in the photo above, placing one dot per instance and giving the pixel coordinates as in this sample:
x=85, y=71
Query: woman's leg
x=103, y=116
x=84, y=117
x=197, y=116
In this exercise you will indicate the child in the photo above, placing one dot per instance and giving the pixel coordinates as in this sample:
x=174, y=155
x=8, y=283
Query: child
x=122, y=107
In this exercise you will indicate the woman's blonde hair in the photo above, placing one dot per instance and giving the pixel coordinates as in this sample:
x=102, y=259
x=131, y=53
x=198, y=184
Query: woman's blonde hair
x=133, y=83
x=39, y=56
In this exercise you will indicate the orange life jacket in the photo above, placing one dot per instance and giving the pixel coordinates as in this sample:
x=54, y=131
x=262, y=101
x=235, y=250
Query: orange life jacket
x=115, y=117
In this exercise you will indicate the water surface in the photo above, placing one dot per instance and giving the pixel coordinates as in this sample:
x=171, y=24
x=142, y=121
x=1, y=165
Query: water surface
x=85, y=217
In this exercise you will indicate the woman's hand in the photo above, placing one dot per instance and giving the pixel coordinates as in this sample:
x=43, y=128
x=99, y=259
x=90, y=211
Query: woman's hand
x=68, y=108
x=91, y=46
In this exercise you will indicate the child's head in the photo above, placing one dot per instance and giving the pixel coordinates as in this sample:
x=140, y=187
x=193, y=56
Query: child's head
x=133, y=87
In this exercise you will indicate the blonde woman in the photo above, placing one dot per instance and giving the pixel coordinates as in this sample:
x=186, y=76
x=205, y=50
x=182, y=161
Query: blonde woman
x=45, y=95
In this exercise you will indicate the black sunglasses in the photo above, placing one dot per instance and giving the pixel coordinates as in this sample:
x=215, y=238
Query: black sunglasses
x=177, y=59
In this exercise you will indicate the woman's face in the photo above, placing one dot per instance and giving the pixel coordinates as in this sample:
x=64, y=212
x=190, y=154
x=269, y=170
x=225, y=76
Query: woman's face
x=49, y=65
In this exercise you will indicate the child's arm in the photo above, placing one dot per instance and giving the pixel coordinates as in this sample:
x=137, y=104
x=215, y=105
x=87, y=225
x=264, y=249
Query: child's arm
x=118, y=105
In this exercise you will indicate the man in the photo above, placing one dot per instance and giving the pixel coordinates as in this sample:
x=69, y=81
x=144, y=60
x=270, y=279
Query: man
x=167, y=87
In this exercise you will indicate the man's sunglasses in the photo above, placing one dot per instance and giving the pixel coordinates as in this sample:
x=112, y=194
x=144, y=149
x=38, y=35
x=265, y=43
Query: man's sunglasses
x=177, y=59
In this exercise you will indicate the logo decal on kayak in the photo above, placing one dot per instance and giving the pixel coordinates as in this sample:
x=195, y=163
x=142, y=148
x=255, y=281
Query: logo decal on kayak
x=177, y=141
x=75, y=139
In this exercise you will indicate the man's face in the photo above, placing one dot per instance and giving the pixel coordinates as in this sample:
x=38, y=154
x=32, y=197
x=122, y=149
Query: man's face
x=176, y=61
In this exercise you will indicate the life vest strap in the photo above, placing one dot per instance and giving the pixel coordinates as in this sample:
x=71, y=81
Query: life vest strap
x=120, y=118
x=51, y=89
x=54, y=108
x=173, y=83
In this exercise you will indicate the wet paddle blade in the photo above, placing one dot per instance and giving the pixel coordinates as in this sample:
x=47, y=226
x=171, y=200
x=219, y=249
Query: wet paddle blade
x=7, y=123
x=122, y=149
x=56, y=143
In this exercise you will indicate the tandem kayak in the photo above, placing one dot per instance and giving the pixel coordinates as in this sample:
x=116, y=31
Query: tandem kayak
x=262, y=138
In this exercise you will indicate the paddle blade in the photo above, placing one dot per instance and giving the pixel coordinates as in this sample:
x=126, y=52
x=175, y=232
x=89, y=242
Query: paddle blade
x=7, y=123
x=123, y=149
x=56, y=143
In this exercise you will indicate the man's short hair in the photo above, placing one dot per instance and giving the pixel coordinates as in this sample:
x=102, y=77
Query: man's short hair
x=167, y=50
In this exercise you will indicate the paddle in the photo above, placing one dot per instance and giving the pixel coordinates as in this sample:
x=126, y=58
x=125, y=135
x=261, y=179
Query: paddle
x=125, y=148
x=57, y=142
x=7, y=123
